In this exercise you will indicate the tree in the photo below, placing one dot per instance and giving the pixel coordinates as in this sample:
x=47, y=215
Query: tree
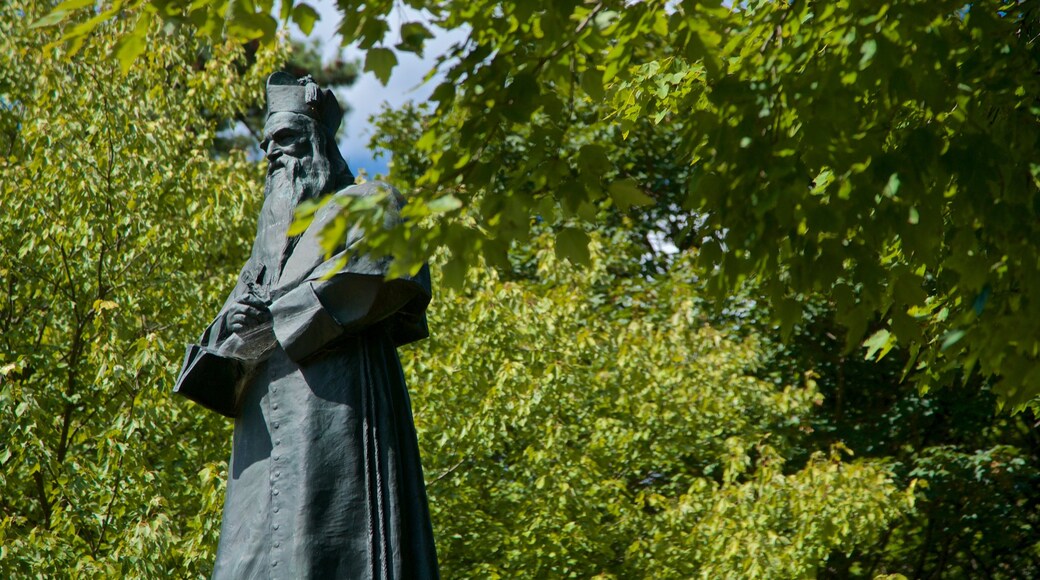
x=581, y=163
x=873, y=152
x=118, y=224
x=122, y=222
x=975, y=472
x=582, y=423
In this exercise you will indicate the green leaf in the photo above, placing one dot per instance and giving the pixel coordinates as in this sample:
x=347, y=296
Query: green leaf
x=381, y=62
x=303, y=216
x=304, y=16
x=413, y=37
x=626, y=193
x=50, y=19
x=132, y=45
x=70, y=5
x=285, y=10
x=128, y=49
x=879, y=343
x=867, y=51
x=572, y=244
x=60, y=12
x=592, y=159
x=102, y=305
x=592, y=84
x=444, y=204
x=453, y=273
x=788, y=312
x=952, y=338
x=892, y=187
x=243, y=23
x=366, y=202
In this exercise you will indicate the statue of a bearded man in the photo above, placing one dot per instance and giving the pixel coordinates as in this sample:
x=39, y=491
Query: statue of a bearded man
x=324, y=479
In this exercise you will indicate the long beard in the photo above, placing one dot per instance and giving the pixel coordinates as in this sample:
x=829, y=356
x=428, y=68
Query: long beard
x=289, y=182
x=297, y=179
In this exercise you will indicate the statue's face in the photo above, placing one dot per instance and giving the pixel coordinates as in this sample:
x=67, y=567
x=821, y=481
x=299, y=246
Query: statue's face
x=287, y=134
x=297, y=165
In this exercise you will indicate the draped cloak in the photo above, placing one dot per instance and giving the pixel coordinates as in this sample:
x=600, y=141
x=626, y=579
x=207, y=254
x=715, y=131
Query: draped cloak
x=324, y=479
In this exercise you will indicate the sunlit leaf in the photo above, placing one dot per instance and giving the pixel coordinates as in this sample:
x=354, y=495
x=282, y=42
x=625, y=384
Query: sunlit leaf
x=381, y=62
x=304, y=16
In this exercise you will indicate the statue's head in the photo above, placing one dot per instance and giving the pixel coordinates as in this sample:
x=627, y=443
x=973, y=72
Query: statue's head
x=300, y=137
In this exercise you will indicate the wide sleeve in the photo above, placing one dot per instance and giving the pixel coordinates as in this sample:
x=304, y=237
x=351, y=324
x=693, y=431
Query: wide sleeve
x=208, y=375
x=320, y=310
x=317, y=313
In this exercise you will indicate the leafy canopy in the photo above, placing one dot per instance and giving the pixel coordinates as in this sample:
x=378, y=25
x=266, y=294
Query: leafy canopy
x=581, y=423
x=118, y=222
x=878, y=153
x=622, y=451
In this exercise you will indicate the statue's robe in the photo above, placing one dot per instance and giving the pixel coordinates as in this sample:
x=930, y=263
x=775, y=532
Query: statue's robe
x=324, y=479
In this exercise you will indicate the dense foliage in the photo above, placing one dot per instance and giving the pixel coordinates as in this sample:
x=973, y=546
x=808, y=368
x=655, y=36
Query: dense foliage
x=879, y=153
x=119, y=232
x=635, y=417
x=582, y=424
x=977, y=472
x=123, y=219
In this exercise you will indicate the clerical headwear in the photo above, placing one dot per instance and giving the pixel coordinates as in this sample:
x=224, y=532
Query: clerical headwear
x=286, y=93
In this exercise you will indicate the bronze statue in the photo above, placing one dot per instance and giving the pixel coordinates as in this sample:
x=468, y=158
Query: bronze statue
x=324, y=479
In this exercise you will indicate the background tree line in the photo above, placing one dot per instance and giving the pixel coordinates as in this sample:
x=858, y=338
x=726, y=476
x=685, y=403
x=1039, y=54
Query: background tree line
x=598, y=408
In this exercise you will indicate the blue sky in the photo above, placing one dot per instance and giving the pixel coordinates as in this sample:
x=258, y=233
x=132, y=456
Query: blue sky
x=368, y=95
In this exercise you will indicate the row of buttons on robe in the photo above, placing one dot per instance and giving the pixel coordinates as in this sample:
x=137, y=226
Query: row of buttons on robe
x=275, y=475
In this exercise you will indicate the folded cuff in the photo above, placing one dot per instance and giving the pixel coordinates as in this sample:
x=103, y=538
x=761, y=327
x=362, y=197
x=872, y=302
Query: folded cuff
x=301, y=324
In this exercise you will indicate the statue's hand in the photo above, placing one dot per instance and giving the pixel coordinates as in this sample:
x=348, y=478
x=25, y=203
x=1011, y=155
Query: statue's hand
x=248, y=312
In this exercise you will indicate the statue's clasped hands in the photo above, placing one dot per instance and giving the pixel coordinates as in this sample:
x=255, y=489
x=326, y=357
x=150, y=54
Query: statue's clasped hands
x=250, y=311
